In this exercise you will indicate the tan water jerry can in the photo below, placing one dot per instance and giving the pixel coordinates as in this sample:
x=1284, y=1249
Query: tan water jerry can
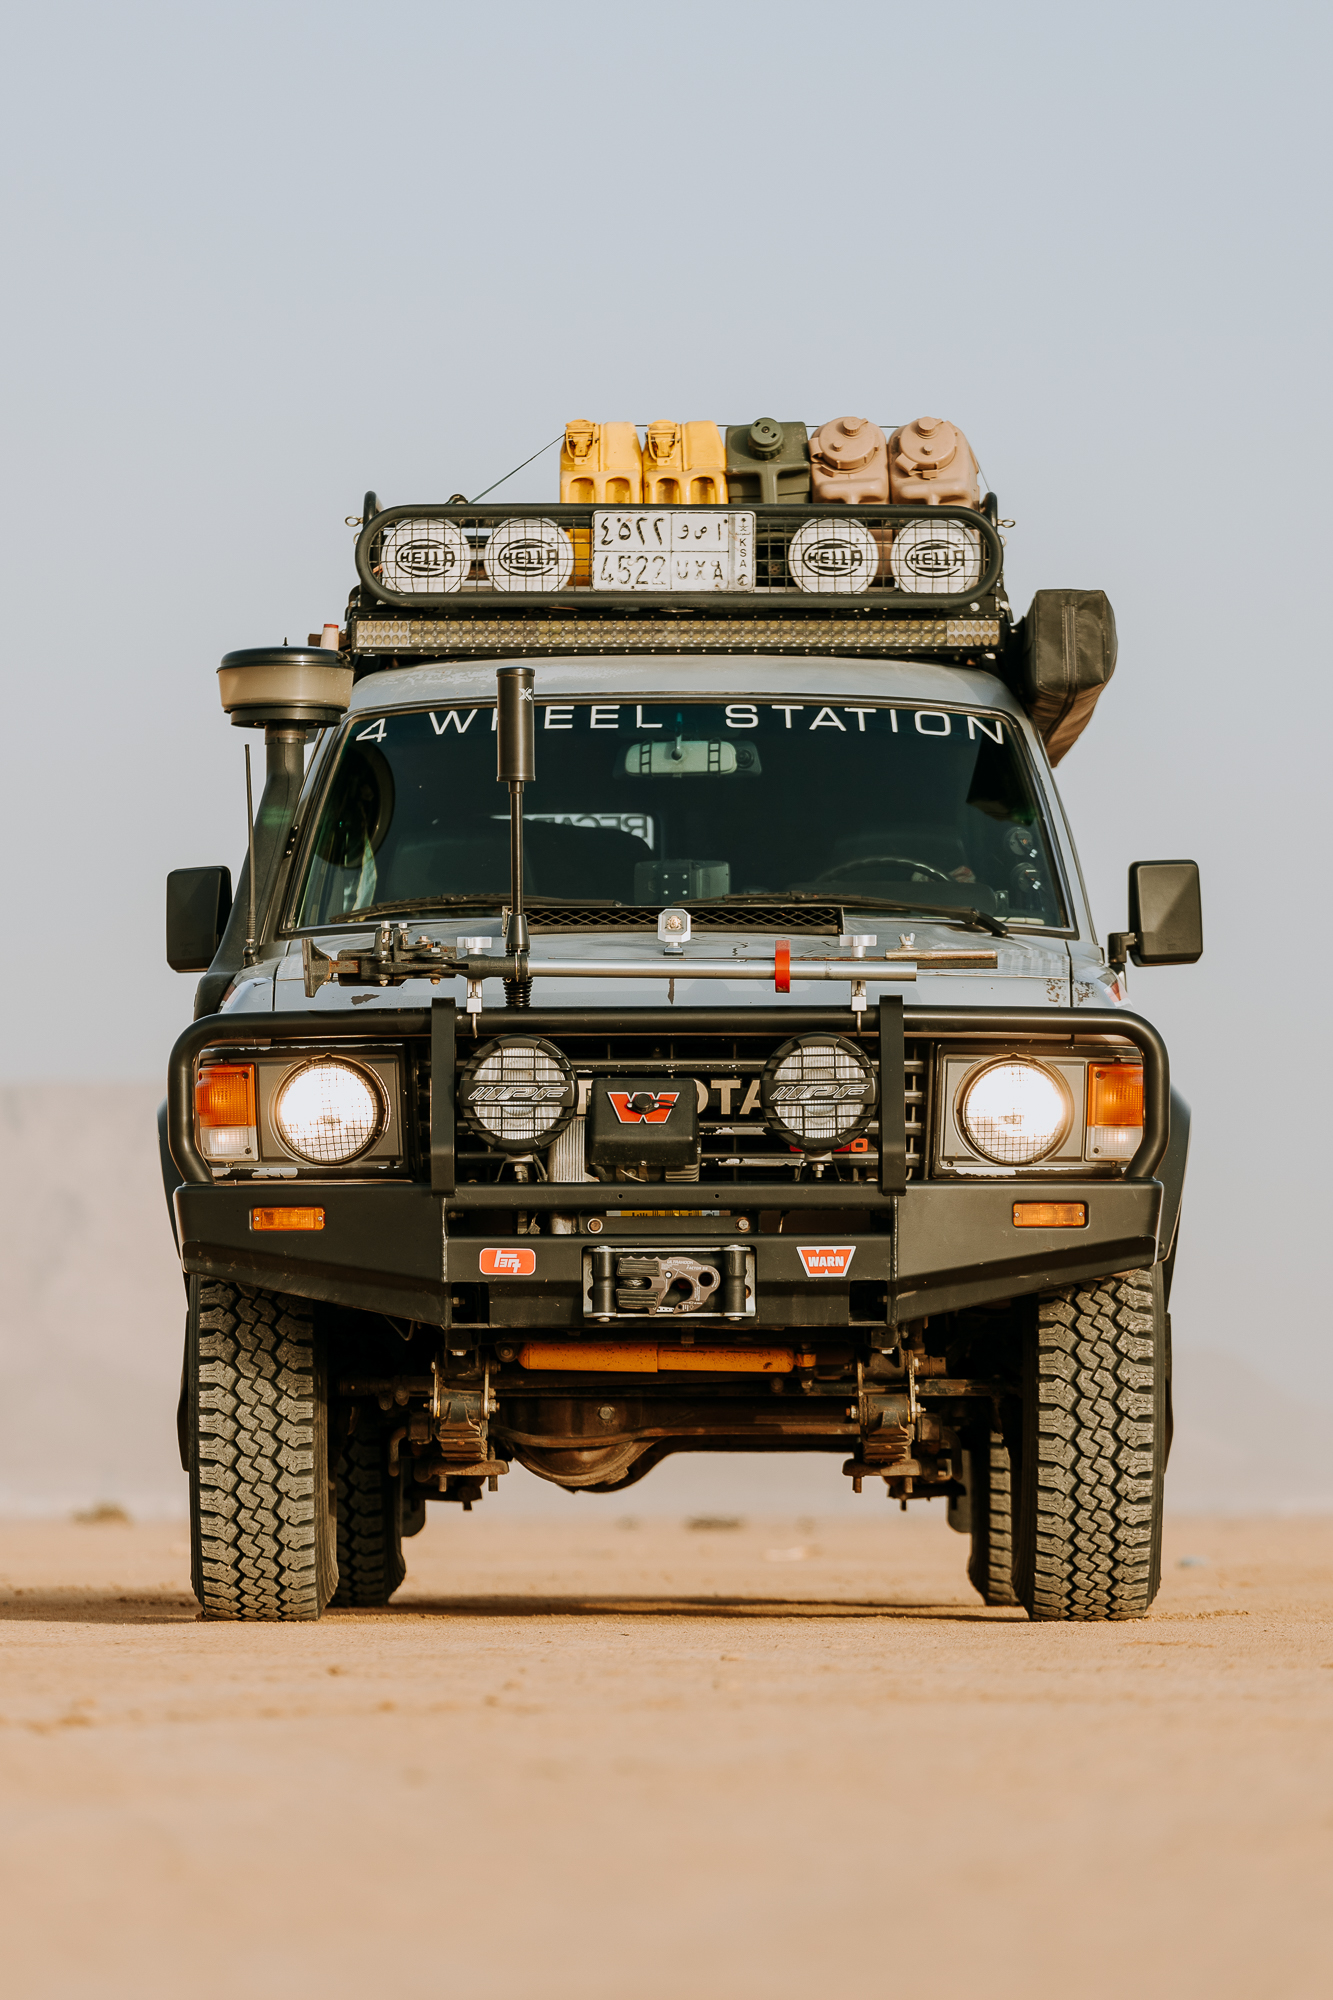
x=600, y=465
x=931, y=463
x=849, y=460
x=769, y=462
x=684, y=464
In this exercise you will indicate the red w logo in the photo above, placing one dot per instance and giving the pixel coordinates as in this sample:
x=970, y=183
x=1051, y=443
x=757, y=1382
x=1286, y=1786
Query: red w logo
x=645, y=1107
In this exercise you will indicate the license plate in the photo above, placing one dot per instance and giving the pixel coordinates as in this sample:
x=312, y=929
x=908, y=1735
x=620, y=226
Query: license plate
x=651, y=548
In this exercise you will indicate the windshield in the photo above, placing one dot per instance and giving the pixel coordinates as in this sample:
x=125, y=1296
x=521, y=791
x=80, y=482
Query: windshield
x=659, y=802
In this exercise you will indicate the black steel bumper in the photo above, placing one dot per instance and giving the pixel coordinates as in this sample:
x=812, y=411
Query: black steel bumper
x=385, y=1249
x=405, y=1247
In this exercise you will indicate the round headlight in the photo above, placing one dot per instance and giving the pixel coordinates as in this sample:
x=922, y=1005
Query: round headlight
x=329, y=1112
x=1014, y=1112
x=518, y=1094
x=819, y=1092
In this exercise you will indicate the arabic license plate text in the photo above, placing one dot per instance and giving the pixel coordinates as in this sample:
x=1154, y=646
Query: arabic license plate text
x=652, y=548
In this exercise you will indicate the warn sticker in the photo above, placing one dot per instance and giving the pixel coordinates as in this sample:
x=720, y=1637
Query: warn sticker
x=508, y=1263
x=826, y=1260
x=644, y=1107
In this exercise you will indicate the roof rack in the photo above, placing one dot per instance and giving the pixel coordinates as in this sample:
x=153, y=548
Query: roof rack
x=467, y=581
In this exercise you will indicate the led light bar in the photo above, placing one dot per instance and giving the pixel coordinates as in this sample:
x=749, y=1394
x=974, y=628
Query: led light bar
x=868, y=633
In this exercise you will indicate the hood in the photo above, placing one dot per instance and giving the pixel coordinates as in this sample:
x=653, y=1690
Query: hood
x=1028, y=972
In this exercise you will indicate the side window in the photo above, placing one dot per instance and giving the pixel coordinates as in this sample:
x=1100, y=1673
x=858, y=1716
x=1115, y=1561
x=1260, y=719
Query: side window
x=356, y=818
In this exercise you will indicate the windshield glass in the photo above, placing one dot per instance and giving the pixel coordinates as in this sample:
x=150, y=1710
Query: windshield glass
x=663, y=801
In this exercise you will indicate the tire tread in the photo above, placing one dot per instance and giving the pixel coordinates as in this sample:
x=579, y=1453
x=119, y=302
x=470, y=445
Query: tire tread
x=1090, y=1536
x=990, y=1567
x=258, y=1444
x=370, y=1554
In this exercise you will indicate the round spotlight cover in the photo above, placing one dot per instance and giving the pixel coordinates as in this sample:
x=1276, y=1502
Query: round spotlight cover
x=423, y=554
x=819, y=1092
x=524, y=554
x=836, y=555
x=329, y=1113
x=936, y=557
x=518, y=1094
x=1014, y=1112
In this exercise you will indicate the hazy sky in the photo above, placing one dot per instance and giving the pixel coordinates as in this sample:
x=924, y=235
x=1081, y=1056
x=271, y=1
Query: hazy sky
x=259, y=258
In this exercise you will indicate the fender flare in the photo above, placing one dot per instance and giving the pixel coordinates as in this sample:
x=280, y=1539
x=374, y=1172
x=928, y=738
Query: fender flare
x=1171, y=1173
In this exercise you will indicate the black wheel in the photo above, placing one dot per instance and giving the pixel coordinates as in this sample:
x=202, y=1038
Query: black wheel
x=261, y=1518
x=1089, y=1541
x=370, y=1517
x=990, y=1566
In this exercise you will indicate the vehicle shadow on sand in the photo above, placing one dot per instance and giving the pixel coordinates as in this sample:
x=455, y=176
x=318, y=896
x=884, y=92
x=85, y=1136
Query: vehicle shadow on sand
x=725, y=1605
x=75, y=1606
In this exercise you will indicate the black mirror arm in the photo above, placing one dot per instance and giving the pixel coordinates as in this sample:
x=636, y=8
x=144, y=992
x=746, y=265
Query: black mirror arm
x=1118, y=947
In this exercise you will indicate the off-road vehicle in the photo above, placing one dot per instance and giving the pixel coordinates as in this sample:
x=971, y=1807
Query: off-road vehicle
x=661, y=1012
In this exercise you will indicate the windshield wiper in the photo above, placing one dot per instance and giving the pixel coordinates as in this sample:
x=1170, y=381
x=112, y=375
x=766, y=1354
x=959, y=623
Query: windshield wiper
x=974, y=919
x=371, y=912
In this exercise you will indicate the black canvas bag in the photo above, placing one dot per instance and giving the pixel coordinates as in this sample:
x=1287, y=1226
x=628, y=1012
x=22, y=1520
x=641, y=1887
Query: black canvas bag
x=1069, y=652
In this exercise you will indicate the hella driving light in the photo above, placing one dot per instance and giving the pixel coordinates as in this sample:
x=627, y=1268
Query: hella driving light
x=1014, y=1112
x=328, y=1112
x=224, y=1107
x=424, y=555
x=930, y=557
x=828, y=556
x=818, y=1092
x=524, y=554
x=518, y=1094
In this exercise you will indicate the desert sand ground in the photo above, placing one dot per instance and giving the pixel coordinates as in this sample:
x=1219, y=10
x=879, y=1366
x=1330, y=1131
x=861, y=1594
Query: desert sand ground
x=593, y=1758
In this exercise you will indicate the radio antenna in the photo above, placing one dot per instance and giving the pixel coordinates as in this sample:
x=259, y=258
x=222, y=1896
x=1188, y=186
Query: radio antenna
x=516, y=767
x=518, y=468
x=251, y=951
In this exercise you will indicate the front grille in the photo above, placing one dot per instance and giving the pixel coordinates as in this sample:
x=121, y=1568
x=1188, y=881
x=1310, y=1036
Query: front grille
x=416, y=1120
x=736, y=1146
x=819, y=918
x=916, y=1106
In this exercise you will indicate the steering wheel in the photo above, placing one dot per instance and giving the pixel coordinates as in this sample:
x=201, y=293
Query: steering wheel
x=882, y=860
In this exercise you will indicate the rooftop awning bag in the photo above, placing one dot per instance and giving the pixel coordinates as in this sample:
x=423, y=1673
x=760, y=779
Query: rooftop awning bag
x=1068, y=656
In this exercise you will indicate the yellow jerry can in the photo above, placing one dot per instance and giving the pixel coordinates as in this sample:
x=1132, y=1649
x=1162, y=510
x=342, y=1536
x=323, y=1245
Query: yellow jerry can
x=684, y=464
x=600, y=465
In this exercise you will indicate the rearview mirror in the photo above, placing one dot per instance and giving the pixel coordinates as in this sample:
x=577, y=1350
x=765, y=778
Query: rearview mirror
x=198, y=905
x=1165, y=913
x=689, y=757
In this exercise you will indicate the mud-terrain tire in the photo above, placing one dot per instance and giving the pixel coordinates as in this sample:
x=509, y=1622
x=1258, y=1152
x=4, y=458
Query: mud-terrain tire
x=990, y=1566
x=262, y=1534
x=1089, y=1540
x=370, y=1519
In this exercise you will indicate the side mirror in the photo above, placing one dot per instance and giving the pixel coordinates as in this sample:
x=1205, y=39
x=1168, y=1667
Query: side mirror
x=198, y=905
x=1165, y=915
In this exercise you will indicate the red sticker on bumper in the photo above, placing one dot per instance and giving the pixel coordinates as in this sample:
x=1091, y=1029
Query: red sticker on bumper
x=826, y=1260
x=508, y=1263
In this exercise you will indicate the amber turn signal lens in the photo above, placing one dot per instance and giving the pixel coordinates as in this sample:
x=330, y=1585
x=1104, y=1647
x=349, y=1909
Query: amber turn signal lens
x=1115, y=1094
x=225, y=1095
x=286, y=1218
x=1050, y=1215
